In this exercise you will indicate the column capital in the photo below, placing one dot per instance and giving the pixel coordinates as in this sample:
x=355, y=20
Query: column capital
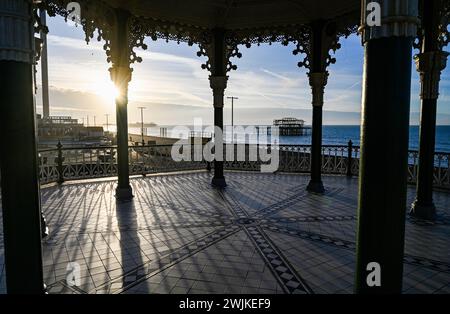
x=399, y=18
x=429, y=65
x=218, y=84
x=16, y=19
x=120, y=75
x=318, y=81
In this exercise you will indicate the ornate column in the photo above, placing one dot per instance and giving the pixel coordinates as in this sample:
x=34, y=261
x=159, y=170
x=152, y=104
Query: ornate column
x=219, y=49
x=429, y=62
x=384, y=146
x=18, y=159
x=317, y=81
x=218, y=85
x=121, y=76
x=121, y=32
x=322, y=38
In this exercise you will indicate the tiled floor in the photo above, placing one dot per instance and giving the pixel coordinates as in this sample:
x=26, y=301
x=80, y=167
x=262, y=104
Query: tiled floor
x=263, y=234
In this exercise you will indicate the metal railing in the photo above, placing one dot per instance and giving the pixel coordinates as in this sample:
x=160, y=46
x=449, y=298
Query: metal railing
x=62, y=164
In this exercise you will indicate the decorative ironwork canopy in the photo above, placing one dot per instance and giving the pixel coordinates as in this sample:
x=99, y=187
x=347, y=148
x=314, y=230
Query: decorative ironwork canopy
x=231, y=14
x=246, y=22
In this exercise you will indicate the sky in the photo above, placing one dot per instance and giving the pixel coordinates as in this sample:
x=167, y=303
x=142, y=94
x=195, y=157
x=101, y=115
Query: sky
x=174, y=89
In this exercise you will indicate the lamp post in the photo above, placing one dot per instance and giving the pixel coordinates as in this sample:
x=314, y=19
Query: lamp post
x=142, y=124
x=107, y=122
x=232, y=116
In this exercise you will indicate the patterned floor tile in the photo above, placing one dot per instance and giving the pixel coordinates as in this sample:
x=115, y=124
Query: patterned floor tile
x=262, y=234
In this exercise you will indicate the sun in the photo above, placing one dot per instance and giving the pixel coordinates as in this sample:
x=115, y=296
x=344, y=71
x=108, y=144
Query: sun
x=107, y=90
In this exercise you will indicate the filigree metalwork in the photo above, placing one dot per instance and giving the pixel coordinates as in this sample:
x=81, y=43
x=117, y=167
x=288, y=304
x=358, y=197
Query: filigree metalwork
x=269, y=35
x=303, y=41
x=417, y=43
x=443, y=36
x=38, y=29
x=430, y=64
x=232, y=51
x=204, y=46
x=303, y=48
x=206, y=49
x=157, y=29
x=249, y=37
x=418, y=40
x=96, y=16
x=38, y=26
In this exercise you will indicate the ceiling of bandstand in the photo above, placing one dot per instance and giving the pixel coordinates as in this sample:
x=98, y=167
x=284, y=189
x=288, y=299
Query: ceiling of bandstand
x=238, y=14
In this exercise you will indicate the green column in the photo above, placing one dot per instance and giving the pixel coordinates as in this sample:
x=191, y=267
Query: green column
x=317, y=81
x=430, y=62
x=384, y=148
x=18, y=156
x=322, y=36
x=218, y=83
x=121, y=76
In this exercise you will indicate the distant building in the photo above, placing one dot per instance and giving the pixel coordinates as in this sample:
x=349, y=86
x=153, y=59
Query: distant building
x=62, y=127
x=69, y=131
x=291, y=126
x=92, y=132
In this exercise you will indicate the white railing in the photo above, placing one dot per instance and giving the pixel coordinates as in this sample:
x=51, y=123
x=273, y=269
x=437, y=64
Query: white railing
x=61, y=164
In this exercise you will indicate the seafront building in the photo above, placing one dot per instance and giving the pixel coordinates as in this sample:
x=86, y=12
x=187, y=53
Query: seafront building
x=52, y=130
x=331, y=219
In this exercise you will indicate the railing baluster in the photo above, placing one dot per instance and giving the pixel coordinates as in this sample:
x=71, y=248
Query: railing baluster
x=60, y=164
x=349, y=158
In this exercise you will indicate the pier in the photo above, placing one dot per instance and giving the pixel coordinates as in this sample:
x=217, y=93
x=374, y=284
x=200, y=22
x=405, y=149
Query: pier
x=291, y=127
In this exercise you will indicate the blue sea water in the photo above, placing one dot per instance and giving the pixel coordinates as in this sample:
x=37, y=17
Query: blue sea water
x=341, y=134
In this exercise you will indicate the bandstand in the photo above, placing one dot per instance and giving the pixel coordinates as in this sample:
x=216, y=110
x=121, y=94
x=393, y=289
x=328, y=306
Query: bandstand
x=223, y=29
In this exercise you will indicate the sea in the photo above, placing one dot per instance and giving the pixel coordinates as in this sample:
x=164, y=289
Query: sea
x=331, y=135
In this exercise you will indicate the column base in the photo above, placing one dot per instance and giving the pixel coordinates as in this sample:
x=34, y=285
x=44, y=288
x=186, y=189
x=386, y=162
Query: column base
x=316, y=187
x=427, y=212
x=124, y=194
x=218, y=183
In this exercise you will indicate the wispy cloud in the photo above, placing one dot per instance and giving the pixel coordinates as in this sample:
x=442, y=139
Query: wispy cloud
x=172, y=74
x=288, y=80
